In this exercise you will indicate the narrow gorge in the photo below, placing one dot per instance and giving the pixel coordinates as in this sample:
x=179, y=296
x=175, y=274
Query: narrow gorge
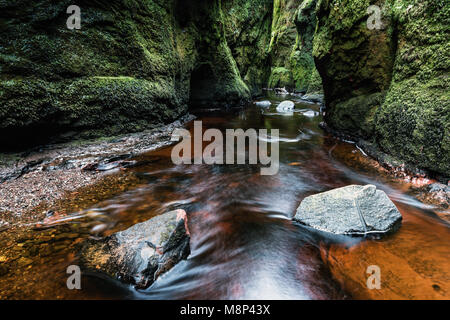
x=357, y=92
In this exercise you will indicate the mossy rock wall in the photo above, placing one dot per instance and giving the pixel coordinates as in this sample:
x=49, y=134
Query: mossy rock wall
x=126, y=69
x=248, y=26
x=216, y=79
x=290, y=46
x=414, y=120
x=129, y=67
x=388, y=85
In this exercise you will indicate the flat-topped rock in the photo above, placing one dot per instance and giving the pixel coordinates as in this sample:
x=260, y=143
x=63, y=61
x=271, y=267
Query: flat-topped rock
x=351, y=210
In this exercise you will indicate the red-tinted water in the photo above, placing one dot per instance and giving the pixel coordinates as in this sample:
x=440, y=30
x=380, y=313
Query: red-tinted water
x=244, y=245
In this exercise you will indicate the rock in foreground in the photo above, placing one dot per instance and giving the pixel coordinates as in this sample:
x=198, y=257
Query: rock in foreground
x=351, y=210
x=140, y=254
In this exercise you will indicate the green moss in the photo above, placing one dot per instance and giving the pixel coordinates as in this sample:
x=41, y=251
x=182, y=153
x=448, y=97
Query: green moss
x=127, y=69
x=405, y=66
x=248, y=31
x=414, y=123
x=216, y=80
x=93, y=106
x=293, y=26
x=123, y=71
x=135, y=64
x=315, y=83
x=356, y=116
x=302, y=65
x=283, y=32
x=281, y=78
x=414, y=120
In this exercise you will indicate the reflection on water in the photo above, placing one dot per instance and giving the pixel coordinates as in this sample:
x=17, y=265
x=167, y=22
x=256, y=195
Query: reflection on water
x=243, y=243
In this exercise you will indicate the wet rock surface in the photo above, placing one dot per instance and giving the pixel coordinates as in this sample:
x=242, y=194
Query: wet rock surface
x=316, y=98
x=78, y=154
x=351, y=210
x=281, y=91
x=44, y=174
x=140, y=254
x=436, y=193
x=286, y=106
x=264, y=104
x=397, y=99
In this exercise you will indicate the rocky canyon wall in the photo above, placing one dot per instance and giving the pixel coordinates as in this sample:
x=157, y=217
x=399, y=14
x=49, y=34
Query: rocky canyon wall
x=136, y=64
x=388, y=85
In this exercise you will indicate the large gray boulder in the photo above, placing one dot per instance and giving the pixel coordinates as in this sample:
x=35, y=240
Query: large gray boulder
x=351, y=210
x=140, y=254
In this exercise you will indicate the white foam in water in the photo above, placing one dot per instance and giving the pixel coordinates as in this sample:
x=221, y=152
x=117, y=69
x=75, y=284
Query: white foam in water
x=265, y=138
x=310, y=114
x=286, y=106
x=264, y=104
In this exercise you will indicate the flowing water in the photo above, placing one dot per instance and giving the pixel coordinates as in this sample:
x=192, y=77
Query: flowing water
x=243, y=243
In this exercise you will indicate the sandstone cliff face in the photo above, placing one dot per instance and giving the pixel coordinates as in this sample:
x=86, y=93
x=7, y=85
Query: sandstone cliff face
x=215, y=79
x=388, y=85
x=305, y=72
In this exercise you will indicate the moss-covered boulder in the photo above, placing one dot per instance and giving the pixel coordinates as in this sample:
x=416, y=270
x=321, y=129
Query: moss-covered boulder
x=390, y=84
